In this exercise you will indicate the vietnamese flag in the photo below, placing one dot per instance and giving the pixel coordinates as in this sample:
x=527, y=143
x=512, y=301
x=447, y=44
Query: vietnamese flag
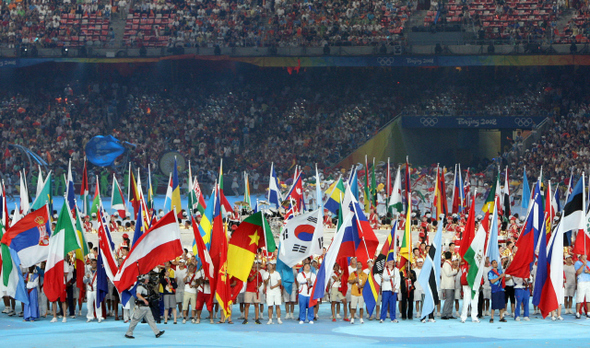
x=253, y=233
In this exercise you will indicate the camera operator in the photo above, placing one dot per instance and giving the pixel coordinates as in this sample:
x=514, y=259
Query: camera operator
x=142, y=310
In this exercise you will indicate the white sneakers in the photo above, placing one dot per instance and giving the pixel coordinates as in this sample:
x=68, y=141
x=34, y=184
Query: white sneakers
x=269, y=322
x=89, y=320
x=184, y=321
x=362, y=322
x=54, y=320
x=64, y=320
x=560, y=318
x=526, y=319
x=475, y=320
x=352, y=321
x=279, y=321
x=311, y=321
x=338, y=316
x=517, y=318
x=301, y=322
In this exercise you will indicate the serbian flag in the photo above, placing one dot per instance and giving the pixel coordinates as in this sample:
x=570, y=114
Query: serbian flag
x=333, y=253
x=359, y=240
x=159, y=244
x=29, y=237
x=61, y=243
x=253, y=233
x=525, y=254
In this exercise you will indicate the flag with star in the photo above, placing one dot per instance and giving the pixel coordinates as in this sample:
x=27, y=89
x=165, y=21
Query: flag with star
x=253, y=233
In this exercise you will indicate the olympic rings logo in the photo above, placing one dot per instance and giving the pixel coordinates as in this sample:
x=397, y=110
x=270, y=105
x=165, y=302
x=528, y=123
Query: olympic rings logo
x=428, y=121
x=385, y=61
x=524, y=122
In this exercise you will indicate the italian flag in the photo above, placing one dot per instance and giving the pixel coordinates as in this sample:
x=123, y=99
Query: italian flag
x=117, y=199
x=475, y=257
x=62, y=241
x=253, y=233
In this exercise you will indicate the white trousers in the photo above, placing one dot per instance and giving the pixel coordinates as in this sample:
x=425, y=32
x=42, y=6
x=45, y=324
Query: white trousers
x=91, y=305
x=467, y=301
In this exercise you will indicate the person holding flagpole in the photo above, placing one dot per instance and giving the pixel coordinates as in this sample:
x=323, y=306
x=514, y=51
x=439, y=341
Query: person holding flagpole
x=496, y=278
x=390, y=286
x=306, y=280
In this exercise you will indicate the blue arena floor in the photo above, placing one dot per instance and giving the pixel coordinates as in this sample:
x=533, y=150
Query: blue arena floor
x=14, y=332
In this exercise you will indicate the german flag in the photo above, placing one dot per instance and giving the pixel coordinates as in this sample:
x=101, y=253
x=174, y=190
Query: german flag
x=253, y=233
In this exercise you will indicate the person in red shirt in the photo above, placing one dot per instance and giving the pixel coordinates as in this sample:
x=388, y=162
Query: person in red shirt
x=251, y=296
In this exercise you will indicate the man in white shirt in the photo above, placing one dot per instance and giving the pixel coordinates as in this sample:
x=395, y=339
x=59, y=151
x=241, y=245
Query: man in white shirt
x=305, y=279
x=190, y=294
x=448, y=286
x=91, y=284
x=272, y=282
x=390, y=286
x=179, y=275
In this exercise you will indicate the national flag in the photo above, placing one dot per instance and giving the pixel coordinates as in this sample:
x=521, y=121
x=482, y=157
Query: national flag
x=493, y=252
x=62, y=241
x=335, y=195
x=457, y=205
x=203, y=253
x=552, y=293
x=12, y=283
x=506, y=206
x=405, y=249
x=106, y=261
x=139, y=227
x=159, y=244
x=395, y=198
x=253, y=233
x=80, y=253
x=556, y=199
x=573, y=212
x=359, y=240
x=195, y=197
x=475, y=257
x=218, y=250
x=542, y=268
x=325, y=272
x=353, y=185
x=70, y=191
x=84, y=191
x=40, y=182
x=222, y=286
x=371, y=291
x=440, y=193
x=247, y=190
x=175, y=200
x=494, y=192
x=117, y=199
x=168, y=199
x=469, y=231
x=29, y=237
x=150, y=191
x=44, y=197
x=286, y=272
x=408, y=185
x=525, y=245
x=388, y=249
x=466, y=189
x=550, y=206
x=299, y=236
x=429, y=277
x=569, y=189
x=526, y=191
x=133, y=193
x=274, y=194
x=222, y=199
x=295, y=194
x=24, y=195
x=96, y=201
x=206, y=225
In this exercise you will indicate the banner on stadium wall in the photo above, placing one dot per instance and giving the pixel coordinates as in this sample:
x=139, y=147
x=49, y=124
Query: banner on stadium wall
x=479, y=122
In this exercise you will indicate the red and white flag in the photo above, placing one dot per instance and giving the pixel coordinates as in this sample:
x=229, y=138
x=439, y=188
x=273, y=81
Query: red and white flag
x=159, y=244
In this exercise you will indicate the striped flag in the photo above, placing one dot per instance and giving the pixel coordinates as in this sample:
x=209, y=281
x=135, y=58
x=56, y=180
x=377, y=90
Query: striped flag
x=429, y=277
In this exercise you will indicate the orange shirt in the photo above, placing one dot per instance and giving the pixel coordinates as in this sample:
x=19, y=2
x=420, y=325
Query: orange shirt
x=355, y=290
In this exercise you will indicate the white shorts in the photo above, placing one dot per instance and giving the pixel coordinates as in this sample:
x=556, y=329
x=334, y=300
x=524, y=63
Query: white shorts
x=356, y=301
x=457, y=294
x=418, y=295
x=487, y=293
x=348, y=296
x=273, y=299
x=583, y=292
x=292, y=297
x=179, y=296
x=570, y=290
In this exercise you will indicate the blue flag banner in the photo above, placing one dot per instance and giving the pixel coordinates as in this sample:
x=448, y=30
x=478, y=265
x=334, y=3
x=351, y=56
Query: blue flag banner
x=103, y=150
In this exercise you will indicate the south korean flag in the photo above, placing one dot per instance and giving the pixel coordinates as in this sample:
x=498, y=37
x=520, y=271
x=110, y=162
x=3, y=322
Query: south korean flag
x=303, y=236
